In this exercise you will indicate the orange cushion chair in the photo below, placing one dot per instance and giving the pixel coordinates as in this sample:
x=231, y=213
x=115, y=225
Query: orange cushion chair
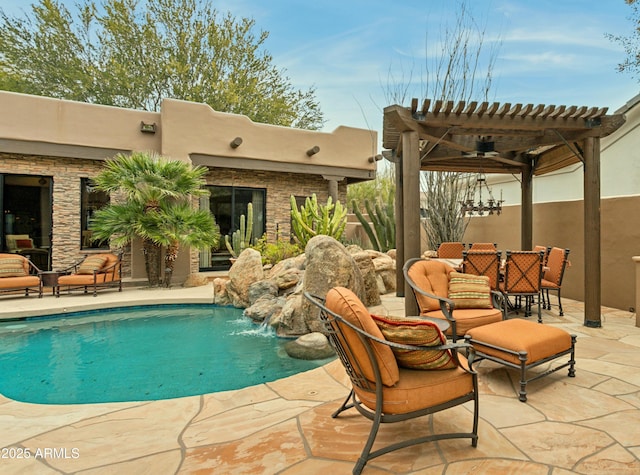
x=384, y=392
x=429, y=281
x=96, y=271
x=17, y=273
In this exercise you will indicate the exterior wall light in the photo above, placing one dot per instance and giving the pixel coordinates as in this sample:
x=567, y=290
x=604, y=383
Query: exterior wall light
x=148, y=128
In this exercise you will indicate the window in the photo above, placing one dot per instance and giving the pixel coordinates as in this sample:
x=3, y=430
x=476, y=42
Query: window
x=227, y=204
x=91, y=201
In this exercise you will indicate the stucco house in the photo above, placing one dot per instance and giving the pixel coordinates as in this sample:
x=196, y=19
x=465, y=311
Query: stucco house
x=50, y=149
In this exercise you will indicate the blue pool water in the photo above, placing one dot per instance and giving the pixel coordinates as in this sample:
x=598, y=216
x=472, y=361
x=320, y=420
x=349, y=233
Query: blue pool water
x=139, y=354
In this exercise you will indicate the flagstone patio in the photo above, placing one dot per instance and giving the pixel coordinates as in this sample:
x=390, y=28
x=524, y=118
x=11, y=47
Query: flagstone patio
x=587, y=424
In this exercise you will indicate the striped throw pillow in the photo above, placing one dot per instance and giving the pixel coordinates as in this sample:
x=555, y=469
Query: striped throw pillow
x=420, y=332
x=91, y=263
x=469, y=291
x=12, y=267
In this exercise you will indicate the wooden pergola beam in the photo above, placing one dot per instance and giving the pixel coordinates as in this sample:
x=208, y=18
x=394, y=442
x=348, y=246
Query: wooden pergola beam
x=527, y=139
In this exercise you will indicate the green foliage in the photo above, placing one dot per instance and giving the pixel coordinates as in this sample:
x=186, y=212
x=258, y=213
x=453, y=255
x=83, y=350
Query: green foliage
x=631, y=43
x=383, y=233
x=272, y=253
x=241, y=238
x=154, y=204
x=313, y=219
x=383, y=187
x=133, y=54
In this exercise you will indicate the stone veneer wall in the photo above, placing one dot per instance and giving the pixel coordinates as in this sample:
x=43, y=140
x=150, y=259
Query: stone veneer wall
x=279, y=186
x=66, y=174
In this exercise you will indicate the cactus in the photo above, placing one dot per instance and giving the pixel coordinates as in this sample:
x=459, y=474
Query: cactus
x=383, y=218
x=241, y=238
x=313, y=219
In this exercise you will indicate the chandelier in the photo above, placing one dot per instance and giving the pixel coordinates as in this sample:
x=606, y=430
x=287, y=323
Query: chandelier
x=469, y=207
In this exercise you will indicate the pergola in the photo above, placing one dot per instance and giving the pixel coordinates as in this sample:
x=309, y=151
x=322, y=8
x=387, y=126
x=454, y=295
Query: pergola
x=488, y=137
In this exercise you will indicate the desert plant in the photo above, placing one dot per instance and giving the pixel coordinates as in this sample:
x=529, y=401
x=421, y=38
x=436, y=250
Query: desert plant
x=313, y=219
x=155, y=206
x=241, y=238
x=274, y=252
x=383, y=233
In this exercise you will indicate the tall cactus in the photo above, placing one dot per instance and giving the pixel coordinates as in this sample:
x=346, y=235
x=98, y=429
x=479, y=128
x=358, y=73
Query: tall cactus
x=313, y=219
x=383, y=233
x=241, y=238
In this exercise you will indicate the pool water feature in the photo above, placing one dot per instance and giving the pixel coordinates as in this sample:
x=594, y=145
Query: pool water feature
x=139, y=354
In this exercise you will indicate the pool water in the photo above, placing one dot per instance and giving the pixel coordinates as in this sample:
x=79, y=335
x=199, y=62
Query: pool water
x=139, y=354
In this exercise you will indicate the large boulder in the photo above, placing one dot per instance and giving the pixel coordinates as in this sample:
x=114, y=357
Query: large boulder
x=312, y=346
x=368, y=271
x=328, y=265
x=244, y=272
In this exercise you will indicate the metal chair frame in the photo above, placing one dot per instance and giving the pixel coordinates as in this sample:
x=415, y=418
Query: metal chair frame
x=333, y=326
x=476, y=263
x=521, y=274
x=546, y=301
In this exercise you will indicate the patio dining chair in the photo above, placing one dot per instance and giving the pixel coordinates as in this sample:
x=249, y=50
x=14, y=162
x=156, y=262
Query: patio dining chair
x=465, y=301
x=483, y=263
x=399, y=370
x=483, y=246
x=522, y=279
x=450, y=250
x=554, y=273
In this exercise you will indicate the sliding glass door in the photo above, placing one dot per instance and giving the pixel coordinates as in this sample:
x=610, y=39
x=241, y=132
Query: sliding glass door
x=227, y=204
x=26, y=228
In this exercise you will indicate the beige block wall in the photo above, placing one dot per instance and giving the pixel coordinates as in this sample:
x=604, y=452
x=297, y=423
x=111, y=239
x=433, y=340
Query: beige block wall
x=561, y=224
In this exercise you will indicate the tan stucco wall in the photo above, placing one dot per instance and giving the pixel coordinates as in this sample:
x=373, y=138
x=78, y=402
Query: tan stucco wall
x=562, y=225
x=54, y=121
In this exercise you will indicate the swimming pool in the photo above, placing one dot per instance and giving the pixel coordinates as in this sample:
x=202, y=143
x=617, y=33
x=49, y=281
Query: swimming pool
x=139, y=354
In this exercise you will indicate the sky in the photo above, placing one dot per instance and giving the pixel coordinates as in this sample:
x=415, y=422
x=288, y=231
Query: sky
x=358, y=54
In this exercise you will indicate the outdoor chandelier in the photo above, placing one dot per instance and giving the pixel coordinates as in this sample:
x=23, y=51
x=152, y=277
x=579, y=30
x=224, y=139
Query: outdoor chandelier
x=469, y=207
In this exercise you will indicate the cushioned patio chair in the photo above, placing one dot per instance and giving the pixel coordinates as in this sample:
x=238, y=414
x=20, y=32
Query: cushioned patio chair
x=393, y=381
x=17, y=274
x=483, y=246
x=95, y=272
x=450, y=250
x=465, y=301
x=483, y=263
x=557, y=262
x=522, y=279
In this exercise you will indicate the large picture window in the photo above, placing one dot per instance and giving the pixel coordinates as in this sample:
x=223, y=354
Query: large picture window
x=91, y=201
x=227, y=204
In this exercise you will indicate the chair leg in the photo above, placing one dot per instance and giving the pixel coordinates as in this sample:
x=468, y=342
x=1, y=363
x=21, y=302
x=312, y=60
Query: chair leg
x=560, y=304
x=345, y=405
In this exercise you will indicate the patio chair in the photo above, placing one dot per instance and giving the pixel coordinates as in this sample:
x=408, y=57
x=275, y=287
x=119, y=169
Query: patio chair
x=450, y=250
x=383, y=390
x=483, y=263
x=522, y=278
x=96, y=271
x=483, y=246
x=19, y=274
x=553, y=275
x=464, y=300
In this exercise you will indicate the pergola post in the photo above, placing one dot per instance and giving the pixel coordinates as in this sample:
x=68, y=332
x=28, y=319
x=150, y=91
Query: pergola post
x=399, y=229
x=526, y=213
x=410, y=209
x=592, y=257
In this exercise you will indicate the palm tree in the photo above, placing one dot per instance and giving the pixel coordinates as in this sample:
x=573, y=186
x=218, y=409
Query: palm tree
x=154, y=203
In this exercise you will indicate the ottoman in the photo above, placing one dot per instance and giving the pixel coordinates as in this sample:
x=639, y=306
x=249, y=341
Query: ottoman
x=522, y=345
